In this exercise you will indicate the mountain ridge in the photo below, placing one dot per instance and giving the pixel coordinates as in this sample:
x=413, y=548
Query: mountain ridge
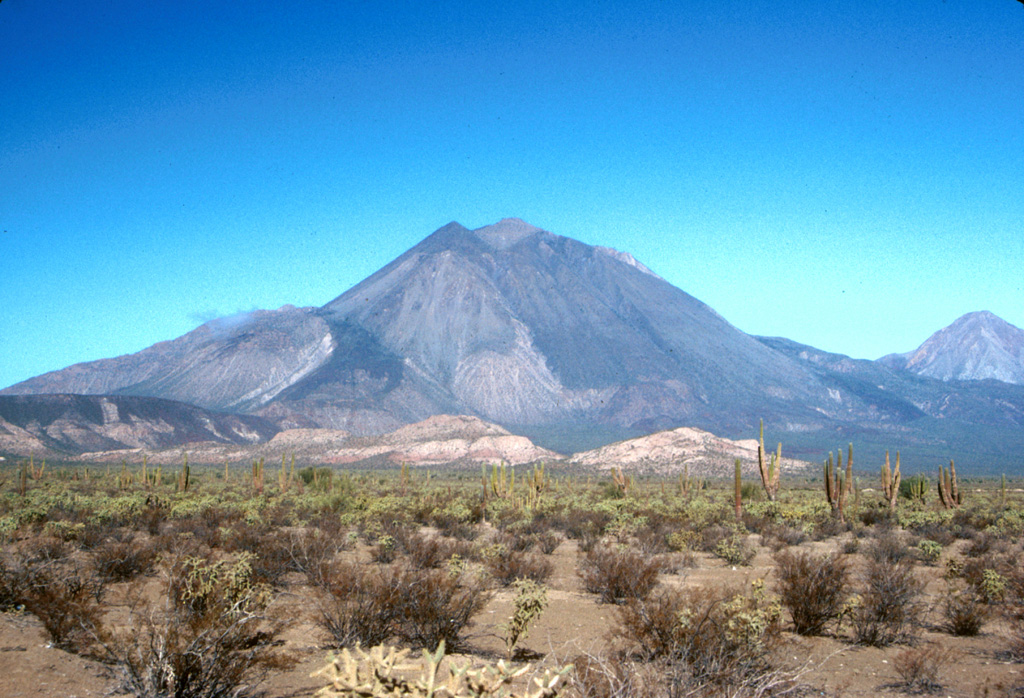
x=540, y=333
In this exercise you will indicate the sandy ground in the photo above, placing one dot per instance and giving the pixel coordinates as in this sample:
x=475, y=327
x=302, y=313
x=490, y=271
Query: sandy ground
x=573, y=623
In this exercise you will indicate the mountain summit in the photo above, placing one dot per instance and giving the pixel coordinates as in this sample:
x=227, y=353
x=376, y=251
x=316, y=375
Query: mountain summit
x=507, y=322
x=976, y=346
x=571, y=344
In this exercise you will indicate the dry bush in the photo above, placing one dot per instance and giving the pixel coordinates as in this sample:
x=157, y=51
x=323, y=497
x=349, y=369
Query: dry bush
x=614, y=676
x=210, y=636
x=435, y=605
x=310, y=552
x=963, y=612
x=709, y=641
x=889, y=611
x=506, y=567
x=813, y=588
x=919, y=668
x=616, y=574
x=547, y=541
x=431, y=552
x=888, y=547
x=120, y=561
x=357, y=604
x=66, y=600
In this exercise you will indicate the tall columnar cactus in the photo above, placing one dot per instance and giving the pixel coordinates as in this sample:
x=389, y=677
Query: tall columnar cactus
x=770, y=468
x=891, y=481
x=837, y=487
x=620, y=480
x=183, y=476
x=738, y=489
x=949, y=490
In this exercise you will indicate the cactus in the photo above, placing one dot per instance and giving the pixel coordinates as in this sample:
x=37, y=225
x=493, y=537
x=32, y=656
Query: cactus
x=949, y=490
x=503, y=481
x=738, y=489
x=257, y=476
x=183, y=476
x=771, y=469
x=620, y=480
x=891, y=481
x=1002, y=492
x=385, y=671
x=918, y=488
x=837, y=487
x=537, y=483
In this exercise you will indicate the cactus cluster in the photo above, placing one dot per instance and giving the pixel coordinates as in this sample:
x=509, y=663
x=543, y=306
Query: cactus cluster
x=837, y=487
x=949, y=490
x=385, y=671
x=891, y=481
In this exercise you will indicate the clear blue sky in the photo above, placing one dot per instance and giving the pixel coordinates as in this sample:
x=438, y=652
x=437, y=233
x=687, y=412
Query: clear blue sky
x=848, y=176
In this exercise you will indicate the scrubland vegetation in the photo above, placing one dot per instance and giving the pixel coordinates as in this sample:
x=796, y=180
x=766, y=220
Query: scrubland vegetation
x=178, y=581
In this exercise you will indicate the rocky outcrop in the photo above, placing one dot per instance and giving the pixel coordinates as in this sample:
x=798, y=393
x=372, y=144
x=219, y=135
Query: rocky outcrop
x=672, y=451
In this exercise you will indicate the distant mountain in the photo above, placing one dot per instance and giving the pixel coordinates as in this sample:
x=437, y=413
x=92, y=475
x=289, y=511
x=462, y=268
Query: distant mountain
x=72, y=424
x=563, y=342
x=508, y=322
x=438, y=440
x=977, y=346
x=671, y=451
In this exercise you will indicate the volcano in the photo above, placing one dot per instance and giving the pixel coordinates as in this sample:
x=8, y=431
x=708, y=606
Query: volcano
x=571, y=344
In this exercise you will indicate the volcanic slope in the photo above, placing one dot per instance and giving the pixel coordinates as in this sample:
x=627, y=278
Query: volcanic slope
x=536, y=332
x=976, y=346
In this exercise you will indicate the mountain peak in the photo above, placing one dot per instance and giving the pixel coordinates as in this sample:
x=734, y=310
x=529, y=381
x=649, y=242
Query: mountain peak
x=506, y=232
x=976, y=346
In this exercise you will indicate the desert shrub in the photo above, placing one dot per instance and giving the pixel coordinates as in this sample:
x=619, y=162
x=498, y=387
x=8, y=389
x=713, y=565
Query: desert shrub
x=310, y=552
x=43, y=549
x=431, y=552
x=614, y=676
x=876, y=515
x=735, y=551
x=585, y=526
x=120, y=561
x=13, y=583
x=531, y=600
x=357, y=604
x=547, y=541
x=813, y=589
x=506, y=567
x=887, y=547
x=984, y=575
x=386, y=550
x=66, y=600
x=210, y=637
x=779, y=536
x=930, y=551
x=919, y=668
x=714, y=640
x=963, y=612
x=889, y=611
x=616, y=574
x=435, y=605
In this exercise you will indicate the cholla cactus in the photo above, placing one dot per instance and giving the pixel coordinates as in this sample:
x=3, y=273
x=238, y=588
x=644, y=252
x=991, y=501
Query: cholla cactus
x=382, y=672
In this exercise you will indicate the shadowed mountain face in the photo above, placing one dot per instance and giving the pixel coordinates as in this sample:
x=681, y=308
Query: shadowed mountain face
x=540, y=334
x=976, y=346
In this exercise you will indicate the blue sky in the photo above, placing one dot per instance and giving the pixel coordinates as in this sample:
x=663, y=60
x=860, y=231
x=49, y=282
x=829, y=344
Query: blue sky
x=848, y=176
